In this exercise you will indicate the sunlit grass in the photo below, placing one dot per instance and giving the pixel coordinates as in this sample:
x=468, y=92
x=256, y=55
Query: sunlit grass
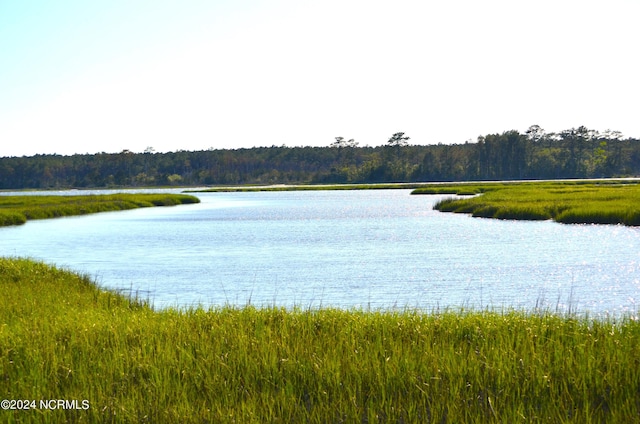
x=61, y=337
x=586, y=202
x=15, y=210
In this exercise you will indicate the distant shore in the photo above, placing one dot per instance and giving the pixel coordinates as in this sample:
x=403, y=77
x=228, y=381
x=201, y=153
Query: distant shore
x=305, y=187
x=443, y=187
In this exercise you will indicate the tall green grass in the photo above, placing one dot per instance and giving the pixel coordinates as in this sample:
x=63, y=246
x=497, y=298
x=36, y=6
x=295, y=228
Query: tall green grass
x=587, y=202
x=15, y=210
x=61, y=337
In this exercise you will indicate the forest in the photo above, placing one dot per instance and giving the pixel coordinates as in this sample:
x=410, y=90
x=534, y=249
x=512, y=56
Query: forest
x=512, y=155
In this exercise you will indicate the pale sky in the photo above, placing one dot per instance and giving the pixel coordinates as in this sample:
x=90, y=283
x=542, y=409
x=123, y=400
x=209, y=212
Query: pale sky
x=80, y=76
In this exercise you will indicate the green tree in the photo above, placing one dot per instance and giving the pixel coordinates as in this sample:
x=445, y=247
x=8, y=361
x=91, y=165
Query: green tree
x=398, y=140
x=535, y=134
x=342, y=143
x=576, y=141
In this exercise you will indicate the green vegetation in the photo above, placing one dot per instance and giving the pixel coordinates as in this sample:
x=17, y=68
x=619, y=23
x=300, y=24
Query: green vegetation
x=311, y=187
x=534, y=155
x=569, y=202
x=15, y=210
x=61, y=337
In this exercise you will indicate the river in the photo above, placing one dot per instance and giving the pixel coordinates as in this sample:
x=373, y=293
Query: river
x=370, y=249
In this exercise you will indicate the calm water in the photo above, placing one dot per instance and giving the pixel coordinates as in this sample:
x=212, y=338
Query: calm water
x=368, y=249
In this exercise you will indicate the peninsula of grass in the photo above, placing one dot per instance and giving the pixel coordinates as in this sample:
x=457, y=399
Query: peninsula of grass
x=309, y=187
x=16, y=210
x=117, y=360
x=586, y=202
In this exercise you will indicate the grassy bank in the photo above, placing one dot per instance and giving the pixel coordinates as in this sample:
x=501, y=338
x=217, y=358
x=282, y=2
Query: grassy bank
x=63, y=338
x=310, y=187
x=16, y=210
x=610, y=202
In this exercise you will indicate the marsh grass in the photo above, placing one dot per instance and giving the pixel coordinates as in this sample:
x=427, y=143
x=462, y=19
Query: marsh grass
x=62, y=337
x=15, y=210
x=310, y=187
x=612, y=202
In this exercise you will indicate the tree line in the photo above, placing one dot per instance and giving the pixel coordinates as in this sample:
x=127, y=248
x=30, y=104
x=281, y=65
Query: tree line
x=573, y=153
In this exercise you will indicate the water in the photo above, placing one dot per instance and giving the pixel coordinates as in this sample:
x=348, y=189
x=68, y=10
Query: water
x=364, y=249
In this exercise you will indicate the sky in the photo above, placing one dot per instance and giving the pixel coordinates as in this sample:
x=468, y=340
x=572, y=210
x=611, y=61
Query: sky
x=81, y=76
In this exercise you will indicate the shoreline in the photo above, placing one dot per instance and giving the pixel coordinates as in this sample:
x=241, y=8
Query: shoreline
x=609, y=202
x=65, y=338
x=17, y=210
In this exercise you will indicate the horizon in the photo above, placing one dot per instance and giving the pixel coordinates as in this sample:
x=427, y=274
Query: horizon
x=90, y=78
x=151, y=150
